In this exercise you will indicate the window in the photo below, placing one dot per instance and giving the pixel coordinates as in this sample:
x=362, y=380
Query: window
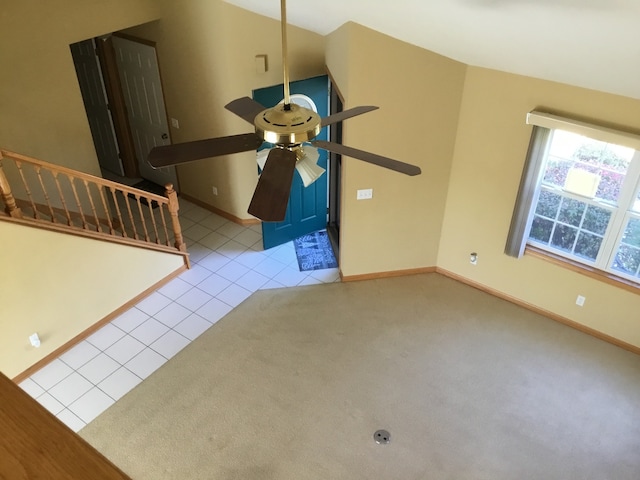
x=580, y=196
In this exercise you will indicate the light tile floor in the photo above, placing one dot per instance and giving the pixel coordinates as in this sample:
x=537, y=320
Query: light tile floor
x=228, y=265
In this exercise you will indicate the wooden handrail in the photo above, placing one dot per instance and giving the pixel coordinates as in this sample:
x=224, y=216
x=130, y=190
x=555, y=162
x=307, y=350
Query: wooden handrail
x=60, y=197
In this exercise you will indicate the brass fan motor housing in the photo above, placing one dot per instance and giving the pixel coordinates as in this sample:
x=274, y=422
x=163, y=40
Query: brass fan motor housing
x=283, y=126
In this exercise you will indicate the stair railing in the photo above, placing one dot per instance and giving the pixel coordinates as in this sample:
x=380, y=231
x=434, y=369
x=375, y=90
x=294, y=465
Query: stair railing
x=64, y=199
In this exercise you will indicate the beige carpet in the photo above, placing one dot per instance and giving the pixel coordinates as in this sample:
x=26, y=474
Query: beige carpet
x=294, y=383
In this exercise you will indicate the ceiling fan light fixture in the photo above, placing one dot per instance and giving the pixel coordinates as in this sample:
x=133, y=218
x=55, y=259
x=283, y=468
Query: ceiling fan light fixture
x=307, y=166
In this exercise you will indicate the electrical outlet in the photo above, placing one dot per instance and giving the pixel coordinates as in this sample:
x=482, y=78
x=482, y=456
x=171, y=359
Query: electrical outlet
x=175, y=123
x=580, y=300
x=473, y=258
x=214, y=190
x=364, y=194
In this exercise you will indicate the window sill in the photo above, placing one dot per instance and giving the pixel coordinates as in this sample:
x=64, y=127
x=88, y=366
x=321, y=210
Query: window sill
x=591, y=272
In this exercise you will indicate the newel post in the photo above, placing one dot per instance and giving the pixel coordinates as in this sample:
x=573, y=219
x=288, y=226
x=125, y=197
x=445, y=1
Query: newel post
x=173, y=211
x=7, y=197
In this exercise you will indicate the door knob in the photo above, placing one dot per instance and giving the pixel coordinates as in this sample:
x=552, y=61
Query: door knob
x=165, y=136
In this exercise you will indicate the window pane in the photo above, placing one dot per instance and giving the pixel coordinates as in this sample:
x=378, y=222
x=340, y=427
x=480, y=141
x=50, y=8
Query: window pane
x=541, y=229
x=627, y=260
x=564, y=237
x=548, y=204
x=572, y=151
x=571, y=211
x=588, y=246
x=596, y=219
x=631, y=234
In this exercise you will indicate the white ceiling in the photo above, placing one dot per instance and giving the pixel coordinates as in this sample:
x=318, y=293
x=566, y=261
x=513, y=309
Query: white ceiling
x=588, y=43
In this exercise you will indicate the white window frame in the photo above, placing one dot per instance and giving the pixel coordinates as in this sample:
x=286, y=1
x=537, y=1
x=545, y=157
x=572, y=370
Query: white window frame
x=531, y=186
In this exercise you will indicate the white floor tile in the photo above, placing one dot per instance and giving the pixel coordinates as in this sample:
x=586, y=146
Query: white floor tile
x=213, y=221
x=71, y=420
x=248, y=237
x=271, y=284
x=251, y=258
x=106, y=336
x=79, y=355
x=130, y=319
x=125, y=349
x=232, y=271
x=214, y=240
x=145, y=363
x=195, y=275
x=252, y=280
x=192, y=326
x=196, y=232
x=285, y=254
x=51, y=374
x=232, y=249
x=234, y=295
x=326, y=275
x=214, y=310
x=290, y=277
x=310, y=281
x=269, y=267
x=230, y=229
x=195, y=213
x=50, y=403
x=194, y=299
x=149, y=331
x=172, y=314
x=31, y=387
x=175, y=288
x=119, y=383
x=214, y=261
x=214, y=284
x=70, y=389
x=185, y=222
x=91, y=404
x=99, y=368
x=153, y=303
x=169, y=344
x=197, y=252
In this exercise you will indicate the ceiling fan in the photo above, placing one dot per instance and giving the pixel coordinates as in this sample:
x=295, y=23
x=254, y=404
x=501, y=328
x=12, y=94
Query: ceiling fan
x=289, y=127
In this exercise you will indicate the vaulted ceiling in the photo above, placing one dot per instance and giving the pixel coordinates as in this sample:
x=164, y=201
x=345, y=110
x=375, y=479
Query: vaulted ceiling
x=588, y=43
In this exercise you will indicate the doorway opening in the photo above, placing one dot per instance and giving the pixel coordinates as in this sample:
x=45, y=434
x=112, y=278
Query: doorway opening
x=121, y=89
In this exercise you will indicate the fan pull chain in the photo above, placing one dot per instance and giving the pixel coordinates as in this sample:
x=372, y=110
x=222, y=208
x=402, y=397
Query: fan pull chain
x=285, y=57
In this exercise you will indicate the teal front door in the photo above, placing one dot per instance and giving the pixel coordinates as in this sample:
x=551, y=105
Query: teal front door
x=307, y=208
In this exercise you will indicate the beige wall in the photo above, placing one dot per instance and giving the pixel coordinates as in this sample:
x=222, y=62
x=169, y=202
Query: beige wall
x=59, y=285
x=41, y=110
x=419, y=95
x=490, y=149
x=206, y=51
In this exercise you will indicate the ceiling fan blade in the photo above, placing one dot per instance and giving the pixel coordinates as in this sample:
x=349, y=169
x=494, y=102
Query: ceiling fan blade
x=245, y=107
x=379, y=160
x=269, y=202
x=166, y=155
x=351, y=112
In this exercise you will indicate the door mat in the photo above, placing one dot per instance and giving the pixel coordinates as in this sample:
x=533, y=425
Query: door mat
x=314, y=251
x=150, y=187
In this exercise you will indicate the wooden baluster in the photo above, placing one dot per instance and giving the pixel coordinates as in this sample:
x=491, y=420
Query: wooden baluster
x=107, y=212
x=142, y=220
x=36, y=214
x=75, y=195
x=46, y=196
x=133, y=223
x=62, y=199
x=164, y=224
x=7, y=197
x=120, y=220
x=175, y=221
x=153, y=220
x=93, y=207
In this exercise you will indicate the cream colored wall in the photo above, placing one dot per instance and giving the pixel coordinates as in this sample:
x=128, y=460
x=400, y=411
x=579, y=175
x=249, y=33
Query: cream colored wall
x=490, y=150
x=206, y=51
x=41, y=110
x=59, y=285
x=419, y=95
